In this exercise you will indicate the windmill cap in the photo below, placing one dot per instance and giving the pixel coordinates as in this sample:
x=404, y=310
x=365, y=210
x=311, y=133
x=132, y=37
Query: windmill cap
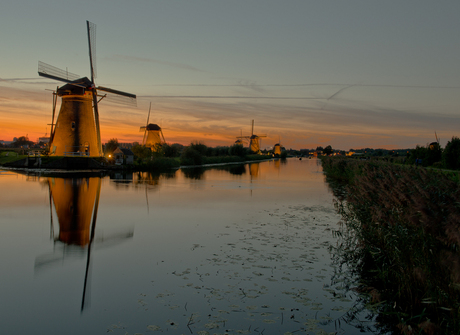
x=153, y=126
x=76, y=86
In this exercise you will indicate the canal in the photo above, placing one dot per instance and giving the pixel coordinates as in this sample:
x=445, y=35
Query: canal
x=237, y=249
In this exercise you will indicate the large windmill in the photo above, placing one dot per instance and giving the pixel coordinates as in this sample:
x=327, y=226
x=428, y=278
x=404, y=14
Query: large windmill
x=254, y=140
x=153, y=135
x=77, y=130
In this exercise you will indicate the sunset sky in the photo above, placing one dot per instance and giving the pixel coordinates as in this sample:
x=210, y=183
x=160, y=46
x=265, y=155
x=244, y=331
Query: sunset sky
x=350, y=74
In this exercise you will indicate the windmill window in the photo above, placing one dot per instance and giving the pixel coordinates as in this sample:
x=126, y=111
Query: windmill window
x=73, y=125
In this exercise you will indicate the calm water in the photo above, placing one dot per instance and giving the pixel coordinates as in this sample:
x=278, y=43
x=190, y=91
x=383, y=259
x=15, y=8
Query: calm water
x=240, y=249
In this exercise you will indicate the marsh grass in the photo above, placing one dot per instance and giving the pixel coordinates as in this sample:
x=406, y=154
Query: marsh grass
x=402, y=238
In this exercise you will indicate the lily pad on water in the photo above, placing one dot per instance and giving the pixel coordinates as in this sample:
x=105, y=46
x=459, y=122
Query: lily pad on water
x=154, y=328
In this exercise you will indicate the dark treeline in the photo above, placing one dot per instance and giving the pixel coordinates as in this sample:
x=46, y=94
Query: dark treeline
x=175, y=155
x=430, y=155
x=401, y=236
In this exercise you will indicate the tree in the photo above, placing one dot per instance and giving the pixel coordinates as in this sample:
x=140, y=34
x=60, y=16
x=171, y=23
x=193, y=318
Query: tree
x=22, y=141
x=141, y=151
x=111, y=146
x=237, y=150
x=170, y=150
x=451, y=154
x=191, y=156
x=328, y=150
x=200, y=147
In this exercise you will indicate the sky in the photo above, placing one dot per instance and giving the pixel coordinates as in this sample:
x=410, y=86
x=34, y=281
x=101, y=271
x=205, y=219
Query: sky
x=350, y=74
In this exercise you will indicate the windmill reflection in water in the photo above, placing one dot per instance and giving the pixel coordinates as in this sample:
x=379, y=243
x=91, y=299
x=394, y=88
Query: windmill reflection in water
x=76, y=203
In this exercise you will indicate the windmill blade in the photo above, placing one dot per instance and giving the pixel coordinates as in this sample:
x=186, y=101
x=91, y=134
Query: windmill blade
x=96, y=121
x=91, y=27
x=141, y=129
x=110, y=90
x=148, y=116
x=52, y=72
x=119, y=96
x=54, y=112
x=147, y=124
x=161, y=132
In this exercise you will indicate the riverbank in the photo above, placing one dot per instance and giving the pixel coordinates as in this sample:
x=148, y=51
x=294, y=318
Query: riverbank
x=401, y=236
x=15, y=161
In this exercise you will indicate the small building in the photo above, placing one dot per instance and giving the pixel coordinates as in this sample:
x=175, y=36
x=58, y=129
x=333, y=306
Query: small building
x=123, y=156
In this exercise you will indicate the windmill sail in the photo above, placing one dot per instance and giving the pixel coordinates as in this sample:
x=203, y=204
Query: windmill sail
x=52, y=72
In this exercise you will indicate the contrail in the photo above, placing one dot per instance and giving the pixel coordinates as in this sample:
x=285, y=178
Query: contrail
x=304, y=85
x=227, y=97
x=341, y=90
x=17, y=79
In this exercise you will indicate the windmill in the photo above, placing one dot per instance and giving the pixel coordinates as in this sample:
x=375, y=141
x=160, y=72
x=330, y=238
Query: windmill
x=254, y=140
x=435, y=145
x=77, y=130
x=153, y=135
x=239, y=140
x=277, y=147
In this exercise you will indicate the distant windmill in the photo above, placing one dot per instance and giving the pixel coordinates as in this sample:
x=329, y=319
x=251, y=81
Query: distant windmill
x=277, y=148
x=239, y=141
x=77, y=130
x=153, y=135
x=254, y=140
x=435, y=145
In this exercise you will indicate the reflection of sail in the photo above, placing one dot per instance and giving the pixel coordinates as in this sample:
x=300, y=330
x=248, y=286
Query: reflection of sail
x=74, y=201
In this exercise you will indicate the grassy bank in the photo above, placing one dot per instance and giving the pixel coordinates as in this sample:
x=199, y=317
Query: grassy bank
x=402, y=239
x=10, y=156
x=157, y=164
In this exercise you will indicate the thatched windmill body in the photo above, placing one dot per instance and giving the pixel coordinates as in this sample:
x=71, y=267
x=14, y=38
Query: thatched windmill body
x=77, y=130
x=254, y=140
x=153, y=135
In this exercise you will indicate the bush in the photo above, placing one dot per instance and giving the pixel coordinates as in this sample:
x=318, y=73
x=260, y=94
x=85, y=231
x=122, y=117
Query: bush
x=428, y=155
x=237, y=150
x=199, y=147
x=191, y=156
x=171, y=150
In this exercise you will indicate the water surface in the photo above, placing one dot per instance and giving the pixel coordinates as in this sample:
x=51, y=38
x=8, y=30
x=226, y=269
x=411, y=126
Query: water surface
x=235, y=249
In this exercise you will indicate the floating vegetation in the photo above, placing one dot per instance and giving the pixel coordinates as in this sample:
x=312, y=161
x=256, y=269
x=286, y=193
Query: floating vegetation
x=273, y=271
x=154, y=328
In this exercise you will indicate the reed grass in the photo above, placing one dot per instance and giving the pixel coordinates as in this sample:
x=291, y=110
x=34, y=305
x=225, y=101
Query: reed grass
x=403, y=237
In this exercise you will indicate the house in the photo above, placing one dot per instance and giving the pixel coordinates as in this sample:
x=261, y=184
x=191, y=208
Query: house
x=123, y=156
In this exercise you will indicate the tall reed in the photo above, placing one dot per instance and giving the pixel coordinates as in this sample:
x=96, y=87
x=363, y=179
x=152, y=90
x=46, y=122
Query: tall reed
x=405, y=224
